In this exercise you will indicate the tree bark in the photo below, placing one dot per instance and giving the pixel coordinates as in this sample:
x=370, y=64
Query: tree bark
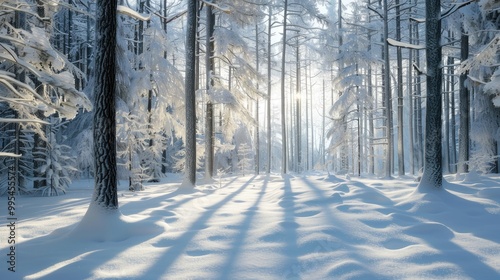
x=190, y=95
x=433, y=173
x=105, y=192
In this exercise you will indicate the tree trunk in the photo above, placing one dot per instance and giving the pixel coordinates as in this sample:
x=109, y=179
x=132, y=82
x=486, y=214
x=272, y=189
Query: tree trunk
x=283, y=120
x=190, y=95
x=433, y=173
x=418, y=106
x=446, y=117
x=411, y=114
x=401, y=156
x=453, y=149
x=323, y=128
x=387, y=95
x=269, y=85
x=105, y=192
x=257, y=144
x=463, y=133
x=298, y=105
x=209, y=117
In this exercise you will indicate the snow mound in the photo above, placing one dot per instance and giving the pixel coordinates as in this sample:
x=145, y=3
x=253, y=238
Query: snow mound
x=110, y=225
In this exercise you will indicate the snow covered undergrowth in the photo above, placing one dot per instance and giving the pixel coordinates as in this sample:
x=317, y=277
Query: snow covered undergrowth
x=263, y=227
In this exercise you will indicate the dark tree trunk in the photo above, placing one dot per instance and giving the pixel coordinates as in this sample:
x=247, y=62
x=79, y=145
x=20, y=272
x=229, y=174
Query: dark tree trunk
x=105, y=192
x=433, y=169
x=190, y=95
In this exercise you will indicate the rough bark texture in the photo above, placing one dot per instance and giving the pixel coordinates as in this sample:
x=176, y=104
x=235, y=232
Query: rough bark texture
x=190, y=84
x=433, y=173
x=105, y=192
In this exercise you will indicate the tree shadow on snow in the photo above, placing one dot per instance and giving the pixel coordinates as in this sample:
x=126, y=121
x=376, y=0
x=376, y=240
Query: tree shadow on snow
x=176, y=248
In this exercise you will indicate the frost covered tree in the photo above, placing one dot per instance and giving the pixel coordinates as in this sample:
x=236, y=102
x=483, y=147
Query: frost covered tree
x=36, y=80
x=245, y=158
x=432, y=176
x=480, y=75
x=210, y=73
x=148, y=85
x=348, y=111
x=231, y=79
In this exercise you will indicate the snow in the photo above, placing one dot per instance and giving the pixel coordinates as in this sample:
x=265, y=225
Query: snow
x=315, y=226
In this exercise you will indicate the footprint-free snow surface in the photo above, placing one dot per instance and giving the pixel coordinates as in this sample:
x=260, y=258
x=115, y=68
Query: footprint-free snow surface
x=262, y=227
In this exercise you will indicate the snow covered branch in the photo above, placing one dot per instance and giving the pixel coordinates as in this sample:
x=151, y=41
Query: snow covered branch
x=455, y=7
x=2, y=154
x=218, y=7
x=5, y=120
x=417, y=20
x=395, y=43
x=131, y=13
x=419, y=71
x=486, y=56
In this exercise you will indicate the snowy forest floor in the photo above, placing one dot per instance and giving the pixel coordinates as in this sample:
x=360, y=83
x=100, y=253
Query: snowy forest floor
x=313, y=226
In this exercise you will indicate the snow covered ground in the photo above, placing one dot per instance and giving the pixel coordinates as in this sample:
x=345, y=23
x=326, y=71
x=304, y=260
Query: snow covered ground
x=263, y=227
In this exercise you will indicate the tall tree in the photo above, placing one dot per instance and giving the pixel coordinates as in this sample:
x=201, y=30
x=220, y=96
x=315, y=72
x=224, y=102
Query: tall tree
x=283, y=120
x=190, y=95
x=105, y=191
x=433, y=170
x=401, y=155
x=464, y=104
x=269, y=86
x=210, y=67
x=387, y=94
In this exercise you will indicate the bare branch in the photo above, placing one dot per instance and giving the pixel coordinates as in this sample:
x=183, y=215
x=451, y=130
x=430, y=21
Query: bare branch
x=375, y=11
x=455, y=7
x=167, y=20
x=213, y=5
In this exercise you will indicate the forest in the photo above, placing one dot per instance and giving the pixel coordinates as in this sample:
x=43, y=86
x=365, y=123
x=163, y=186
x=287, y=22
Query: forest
x=276, y=86
x=249, y=139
